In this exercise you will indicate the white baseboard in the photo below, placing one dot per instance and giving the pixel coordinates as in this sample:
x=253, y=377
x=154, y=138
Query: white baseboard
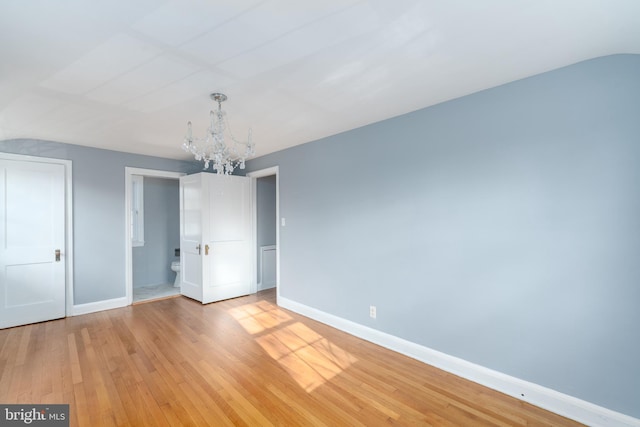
x=551, y=400
x=92, y=307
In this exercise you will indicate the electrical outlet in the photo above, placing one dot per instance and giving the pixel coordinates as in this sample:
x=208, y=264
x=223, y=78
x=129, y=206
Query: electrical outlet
x=372, y=311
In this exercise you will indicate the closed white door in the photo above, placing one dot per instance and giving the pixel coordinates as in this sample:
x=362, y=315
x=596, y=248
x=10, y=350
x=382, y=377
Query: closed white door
x=191, y=201
x=32, y=240
x=227, y=238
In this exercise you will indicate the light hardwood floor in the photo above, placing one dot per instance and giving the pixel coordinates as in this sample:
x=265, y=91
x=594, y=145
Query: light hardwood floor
x=242, y=362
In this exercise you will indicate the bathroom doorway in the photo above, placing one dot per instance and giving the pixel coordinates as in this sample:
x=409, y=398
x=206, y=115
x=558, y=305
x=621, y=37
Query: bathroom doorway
x=153, y=234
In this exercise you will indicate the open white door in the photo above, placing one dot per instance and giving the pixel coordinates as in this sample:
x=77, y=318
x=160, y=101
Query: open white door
x=227, y=238
x=32, y=240
x=191, y=198
x=215, y=236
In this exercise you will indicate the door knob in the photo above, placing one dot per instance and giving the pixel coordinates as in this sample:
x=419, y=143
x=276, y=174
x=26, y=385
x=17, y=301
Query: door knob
x=198, y=248
x=57, y=255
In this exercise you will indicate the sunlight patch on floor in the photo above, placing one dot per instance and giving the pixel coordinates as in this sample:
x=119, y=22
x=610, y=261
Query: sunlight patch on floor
x=307, y=356
x=259, y=317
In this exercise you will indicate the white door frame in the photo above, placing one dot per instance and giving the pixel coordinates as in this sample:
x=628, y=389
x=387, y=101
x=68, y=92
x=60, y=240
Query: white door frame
x=68, y=214
x=128, y=172
x=254, y=194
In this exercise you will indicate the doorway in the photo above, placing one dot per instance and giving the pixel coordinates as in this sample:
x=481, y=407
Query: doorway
x=146, y=256
x=265, y=191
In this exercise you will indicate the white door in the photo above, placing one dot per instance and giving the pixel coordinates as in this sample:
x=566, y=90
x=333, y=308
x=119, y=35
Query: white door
x=215, y=236
x=228, y=255
x=32, y=240
x=191, y=236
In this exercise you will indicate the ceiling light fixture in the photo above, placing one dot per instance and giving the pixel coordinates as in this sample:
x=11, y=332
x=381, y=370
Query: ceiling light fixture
x=212, y=149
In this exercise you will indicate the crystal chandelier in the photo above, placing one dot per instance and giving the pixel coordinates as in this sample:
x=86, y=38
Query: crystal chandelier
x=212, y=149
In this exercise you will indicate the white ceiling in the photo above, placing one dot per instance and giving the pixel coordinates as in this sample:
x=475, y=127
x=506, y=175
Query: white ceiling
x=128, y=74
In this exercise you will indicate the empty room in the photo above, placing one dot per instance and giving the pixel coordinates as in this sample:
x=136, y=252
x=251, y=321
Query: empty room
x=326, y=213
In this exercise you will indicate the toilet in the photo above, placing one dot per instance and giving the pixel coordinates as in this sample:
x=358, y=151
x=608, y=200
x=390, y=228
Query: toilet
x=175, y=266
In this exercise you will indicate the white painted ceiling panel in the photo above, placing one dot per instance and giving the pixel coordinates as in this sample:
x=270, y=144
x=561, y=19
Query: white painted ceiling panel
x=228, y=40
x=176, y=22
x=157, y=73
x=62, y=117
x=27, y=109
x=107, y=61
x=345, y=24
x=180, y=91
x=258, y=26
x=286, y=15
x=128, y=75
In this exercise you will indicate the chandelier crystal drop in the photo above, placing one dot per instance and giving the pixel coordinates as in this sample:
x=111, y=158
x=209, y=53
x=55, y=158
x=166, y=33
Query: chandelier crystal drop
x=212, y=149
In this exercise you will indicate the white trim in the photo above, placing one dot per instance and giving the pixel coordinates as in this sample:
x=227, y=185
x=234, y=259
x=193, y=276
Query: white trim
x=551, y=400
x=128, y=172
x=275, y=170
x=93, y=307
x=68, y=190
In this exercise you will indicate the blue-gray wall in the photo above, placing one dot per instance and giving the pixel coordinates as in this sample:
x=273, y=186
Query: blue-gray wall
x=502, y=228
x=98, y=211
x=152, y=262
x=266, y=214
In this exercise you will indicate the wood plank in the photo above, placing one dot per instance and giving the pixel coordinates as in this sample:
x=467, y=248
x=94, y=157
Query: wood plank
x=240, y=362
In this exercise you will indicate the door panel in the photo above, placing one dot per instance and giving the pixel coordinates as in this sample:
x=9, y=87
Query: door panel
x=227, y=263
x=31, y=284
x=228, y=209
x=32, y=229
x=192, y=274
x=30, y=208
